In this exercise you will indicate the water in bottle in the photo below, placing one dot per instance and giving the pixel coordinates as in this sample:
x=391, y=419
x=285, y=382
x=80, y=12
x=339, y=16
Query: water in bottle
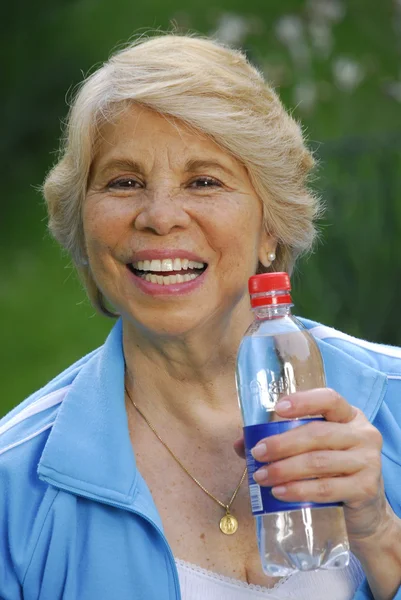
x=277, y=357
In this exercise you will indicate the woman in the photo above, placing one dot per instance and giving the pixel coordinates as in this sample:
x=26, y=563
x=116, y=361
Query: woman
x=181, y=176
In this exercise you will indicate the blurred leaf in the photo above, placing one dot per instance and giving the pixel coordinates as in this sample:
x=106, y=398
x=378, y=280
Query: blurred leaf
x=336, y=60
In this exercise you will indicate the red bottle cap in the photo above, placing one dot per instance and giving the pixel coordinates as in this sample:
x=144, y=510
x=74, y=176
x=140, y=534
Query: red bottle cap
x=269, y=288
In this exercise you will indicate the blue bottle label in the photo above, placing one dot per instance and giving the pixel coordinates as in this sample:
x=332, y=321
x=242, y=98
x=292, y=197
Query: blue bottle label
x=262, y=500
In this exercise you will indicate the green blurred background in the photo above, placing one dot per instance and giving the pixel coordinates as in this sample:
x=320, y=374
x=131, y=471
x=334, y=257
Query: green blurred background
x=336, y=65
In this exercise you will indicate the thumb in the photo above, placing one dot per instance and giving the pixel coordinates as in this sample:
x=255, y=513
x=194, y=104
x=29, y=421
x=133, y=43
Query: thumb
x=239, y=447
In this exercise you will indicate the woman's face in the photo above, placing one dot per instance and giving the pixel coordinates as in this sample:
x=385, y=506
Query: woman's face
x=172, y=225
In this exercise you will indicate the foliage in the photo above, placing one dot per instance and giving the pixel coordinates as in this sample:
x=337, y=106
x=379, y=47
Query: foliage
x=336, y=62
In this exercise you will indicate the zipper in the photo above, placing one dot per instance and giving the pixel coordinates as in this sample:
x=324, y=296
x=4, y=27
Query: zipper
x=173, y=566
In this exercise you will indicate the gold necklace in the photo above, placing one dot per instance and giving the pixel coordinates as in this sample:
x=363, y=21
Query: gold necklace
x=228, y=523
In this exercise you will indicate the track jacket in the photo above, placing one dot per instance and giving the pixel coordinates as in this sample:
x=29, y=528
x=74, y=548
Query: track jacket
x=77, y=520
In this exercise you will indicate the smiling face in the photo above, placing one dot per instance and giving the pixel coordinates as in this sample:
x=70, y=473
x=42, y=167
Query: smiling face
x=173, y=228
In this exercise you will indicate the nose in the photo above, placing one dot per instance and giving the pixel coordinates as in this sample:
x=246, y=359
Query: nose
x=161, y=213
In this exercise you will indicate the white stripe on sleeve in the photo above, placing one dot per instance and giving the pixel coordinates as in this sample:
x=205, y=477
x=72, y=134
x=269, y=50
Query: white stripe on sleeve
x=36, y=407
x=321, y=332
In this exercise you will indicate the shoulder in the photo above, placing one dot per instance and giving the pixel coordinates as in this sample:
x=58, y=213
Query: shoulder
x=24, y=432
x=382, y=357
x=29, y=421
x=384, y=401
x=24, y=498
x=35, y=416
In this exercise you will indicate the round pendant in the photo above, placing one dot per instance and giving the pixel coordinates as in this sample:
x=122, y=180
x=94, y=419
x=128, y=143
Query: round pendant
x=228, y=524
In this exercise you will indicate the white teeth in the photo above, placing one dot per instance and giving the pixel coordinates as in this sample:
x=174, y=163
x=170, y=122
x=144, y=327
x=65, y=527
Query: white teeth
x=155, y=265
x=167, y=264
x=195, y=265
x=169, y=279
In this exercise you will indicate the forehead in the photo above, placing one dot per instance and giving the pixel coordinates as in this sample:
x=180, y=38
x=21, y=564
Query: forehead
x=142, y=133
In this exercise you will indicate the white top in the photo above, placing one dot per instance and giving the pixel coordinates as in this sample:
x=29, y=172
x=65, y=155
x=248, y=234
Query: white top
x=340, y=584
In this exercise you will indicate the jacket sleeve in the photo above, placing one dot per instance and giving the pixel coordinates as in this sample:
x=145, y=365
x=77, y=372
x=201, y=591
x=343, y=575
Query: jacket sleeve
x=10, y=586
x=388, y=421
x=24, y=501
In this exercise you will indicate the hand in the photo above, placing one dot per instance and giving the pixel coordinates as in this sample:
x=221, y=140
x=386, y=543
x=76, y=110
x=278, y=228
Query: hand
x=336, y=460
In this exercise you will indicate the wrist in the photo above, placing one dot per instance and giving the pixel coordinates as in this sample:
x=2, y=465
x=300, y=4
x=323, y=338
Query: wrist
x=377, y=534
x=380, y=557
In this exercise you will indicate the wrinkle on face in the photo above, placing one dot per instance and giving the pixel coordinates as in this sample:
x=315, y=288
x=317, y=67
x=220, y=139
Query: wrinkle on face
x=165, y=209
x=167, y=153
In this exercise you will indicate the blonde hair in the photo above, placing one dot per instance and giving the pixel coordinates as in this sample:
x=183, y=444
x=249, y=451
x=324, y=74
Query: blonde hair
x=212, y=88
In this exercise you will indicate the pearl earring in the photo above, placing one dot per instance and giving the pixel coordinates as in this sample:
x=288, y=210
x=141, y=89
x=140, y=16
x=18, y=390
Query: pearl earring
x=271, y=256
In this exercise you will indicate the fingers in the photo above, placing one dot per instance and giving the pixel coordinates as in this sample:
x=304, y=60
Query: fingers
x=312, y=465
x=332, y=460
x=350, y=489
x=322, y=491
x=239, y=447
x=317, y=435
x=319, y=401
x=329, y=460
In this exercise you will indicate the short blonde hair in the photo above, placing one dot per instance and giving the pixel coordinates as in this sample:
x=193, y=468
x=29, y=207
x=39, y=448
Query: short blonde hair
x=213, y=89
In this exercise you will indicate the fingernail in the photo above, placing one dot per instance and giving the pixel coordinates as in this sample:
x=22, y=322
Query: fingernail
x=260, y=475
x=259, y=451
x=280, y=490
x=283, y=405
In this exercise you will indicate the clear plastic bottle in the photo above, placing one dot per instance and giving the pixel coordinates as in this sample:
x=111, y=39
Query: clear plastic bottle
x=278, y=356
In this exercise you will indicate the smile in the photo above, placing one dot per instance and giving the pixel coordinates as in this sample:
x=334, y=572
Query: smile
x=175, y=270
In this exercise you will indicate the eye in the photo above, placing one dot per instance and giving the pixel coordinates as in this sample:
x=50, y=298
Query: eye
x=125, y=183
x=205, y=182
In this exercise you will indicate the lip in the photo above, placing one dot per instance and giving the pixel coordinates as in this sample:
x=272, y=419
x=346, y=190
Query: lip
x=165, y=253
x=175, y=289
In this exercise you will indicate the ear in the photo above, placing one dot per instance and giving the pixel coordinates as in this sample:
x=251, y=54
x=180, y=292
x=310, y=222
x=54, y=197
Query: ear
x=267, y=251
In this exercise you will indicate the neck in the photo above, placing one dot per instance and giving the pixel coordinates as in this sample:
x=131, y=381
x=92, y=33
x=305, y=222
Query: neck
x=189, y=378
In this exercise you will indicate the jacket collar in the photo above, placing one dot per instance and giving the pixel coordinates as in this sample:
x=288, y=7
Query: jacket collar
x=89, y=451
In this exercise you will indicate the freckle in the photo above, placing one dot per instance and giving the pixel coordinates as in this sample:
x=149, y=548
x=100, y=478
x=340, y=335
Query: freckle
x=202, y=536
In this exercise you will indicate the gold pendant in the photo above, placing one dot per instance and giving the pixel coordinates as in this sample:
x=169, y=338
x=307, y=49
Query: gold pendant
x=228, y=524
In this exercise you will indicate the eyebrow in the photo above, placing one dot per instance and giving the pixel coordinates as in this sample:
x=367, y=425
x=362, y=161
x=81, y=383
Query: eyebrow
x=198, y=165
x=191, y=166
x=124, y=164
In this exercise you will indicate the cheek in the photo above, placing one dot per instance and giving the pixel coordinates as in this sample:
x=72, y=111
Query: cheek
x=239, y=232
x=103, y=224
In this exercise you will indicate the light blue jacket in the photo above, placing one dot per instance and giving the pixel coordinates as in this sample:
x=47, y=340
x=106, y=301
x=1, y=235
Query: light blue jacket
x=77, y=520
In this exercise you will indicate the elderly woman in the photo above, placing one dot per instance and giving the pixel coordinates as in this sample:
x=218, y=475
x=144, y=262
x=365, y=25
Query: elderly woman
x=181, y=176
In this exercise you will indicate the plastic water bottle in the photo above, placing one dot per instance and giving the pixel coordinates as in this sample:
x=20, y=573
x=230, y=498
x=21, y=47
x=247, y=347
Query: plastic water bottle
x=277, y=357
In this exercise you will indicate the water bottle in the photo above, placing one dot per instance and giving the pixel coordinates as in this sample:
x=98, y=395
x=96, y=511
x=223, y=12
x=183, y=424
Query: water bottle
x=276, y=357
